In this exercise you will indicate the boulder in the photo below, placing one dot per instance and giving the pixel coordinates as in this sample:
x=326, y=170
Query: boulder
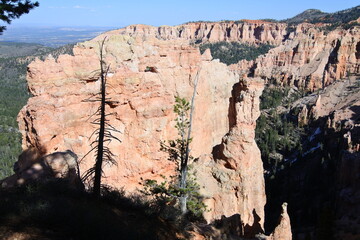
x=31, y=166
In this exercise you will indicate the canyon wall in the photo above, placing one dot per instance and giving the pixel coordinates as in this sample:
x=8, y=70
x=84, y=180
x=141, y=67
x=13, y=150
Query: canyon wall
x=307, y=57
x=336, y=112
x=246, y=31
x=311, y=59
x=148, y=66
x=143, y=78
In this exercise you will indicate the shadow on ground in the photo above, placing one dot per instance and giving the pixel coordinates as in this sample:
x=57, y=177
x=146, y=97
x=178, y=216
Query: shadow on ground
x=54, y=211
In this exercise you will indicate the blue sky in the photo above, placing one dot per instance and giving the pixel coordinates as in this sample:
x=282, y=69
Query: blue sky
x=118, y=13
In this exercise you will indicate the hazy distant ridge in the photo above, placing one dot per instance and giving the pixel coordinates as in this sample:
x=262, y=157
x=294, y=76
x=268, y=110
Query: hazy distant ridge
x=51, y=37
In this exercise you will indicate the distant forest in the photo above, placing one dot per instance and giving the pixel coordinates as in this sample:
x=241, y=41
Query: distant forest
x=317, y=16
x=14, y=58
x=233, y=52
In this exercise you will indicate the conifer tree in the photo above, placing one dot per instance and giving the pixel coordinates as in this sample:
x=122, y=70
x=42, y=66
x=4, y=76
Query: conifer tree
x=182, y=187
x=12, y=9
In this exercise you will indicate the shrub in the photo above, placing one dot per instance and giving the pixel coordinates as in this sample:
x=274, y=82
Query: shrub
x=168, y=192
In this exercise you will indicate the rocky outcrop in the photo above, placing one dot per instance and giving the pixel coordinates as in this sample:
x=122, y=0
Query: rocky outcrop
x=302, y=117
x=245, y=31
x=143, y=78
x=31, y=166
x=311, y=59
x=235, y=166
x=338, y=102
x=283, y=229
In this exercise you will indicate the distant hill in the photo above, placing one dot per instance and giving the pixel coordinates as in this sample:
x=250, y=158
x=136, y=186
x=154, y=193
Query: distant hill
x=306, y=16
x=317, y=16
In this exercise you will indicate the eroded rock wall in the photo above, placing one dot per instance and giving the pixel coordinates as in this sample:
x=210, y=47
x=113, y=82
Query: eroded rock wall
x=308, y=57
x=246, y=31
x=234, y=171
x=311, y=59
x=143, y=78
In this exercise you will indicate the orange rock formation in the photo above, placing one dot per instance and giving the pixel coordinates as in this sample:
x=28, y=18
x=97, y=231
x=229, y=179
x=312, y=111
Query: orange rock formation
x=242, y=31
x=310, y=59
x=283, y=230
x=229, y=167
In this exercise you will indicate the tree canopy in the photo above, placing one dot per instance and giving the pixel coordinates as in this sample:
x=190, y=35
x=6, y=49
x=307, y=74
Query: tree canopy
x=12, y=9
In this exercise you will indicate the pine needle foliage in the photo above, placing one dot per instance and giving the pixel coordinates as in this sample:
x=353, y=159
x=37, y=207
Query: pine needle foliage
x=12, y=9
x=182, y=187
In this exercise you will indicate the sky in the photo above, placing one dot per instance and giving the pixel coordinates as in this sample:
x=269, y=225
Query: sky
x=119, y=13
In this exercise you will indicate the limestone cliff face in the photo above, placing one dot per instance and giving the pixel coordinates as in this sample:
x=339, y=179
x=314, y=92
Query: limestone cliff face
x=311, y=59
x=143, y=78
x=245, y=31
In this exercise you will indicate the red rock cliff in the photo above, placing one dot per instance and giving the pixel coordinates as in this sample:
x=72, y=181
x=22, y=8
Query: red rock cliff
x=243, y=31
x=307, y=58
x=230, y=168
x=311, y=59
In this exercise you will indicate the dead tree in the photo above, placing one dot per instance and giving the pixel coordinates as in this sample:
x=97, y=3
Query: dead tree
x=104, y=131
x=185, y=159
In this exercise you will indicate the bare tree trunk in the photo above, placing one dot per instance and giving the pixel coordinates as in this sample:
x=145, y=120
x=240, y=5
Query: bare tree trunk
x=183, y=197
x=103, y=132
x=100, y=148
x=184, y=164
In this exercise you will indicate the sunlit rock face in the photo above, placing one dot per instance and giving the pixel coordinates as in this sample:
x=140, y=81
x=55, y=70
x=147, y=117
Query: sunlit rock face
x=283, y=229
x=307, y=57
x=311, y=59
x=143, y=78
x=236, y=179
x=245, y=31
